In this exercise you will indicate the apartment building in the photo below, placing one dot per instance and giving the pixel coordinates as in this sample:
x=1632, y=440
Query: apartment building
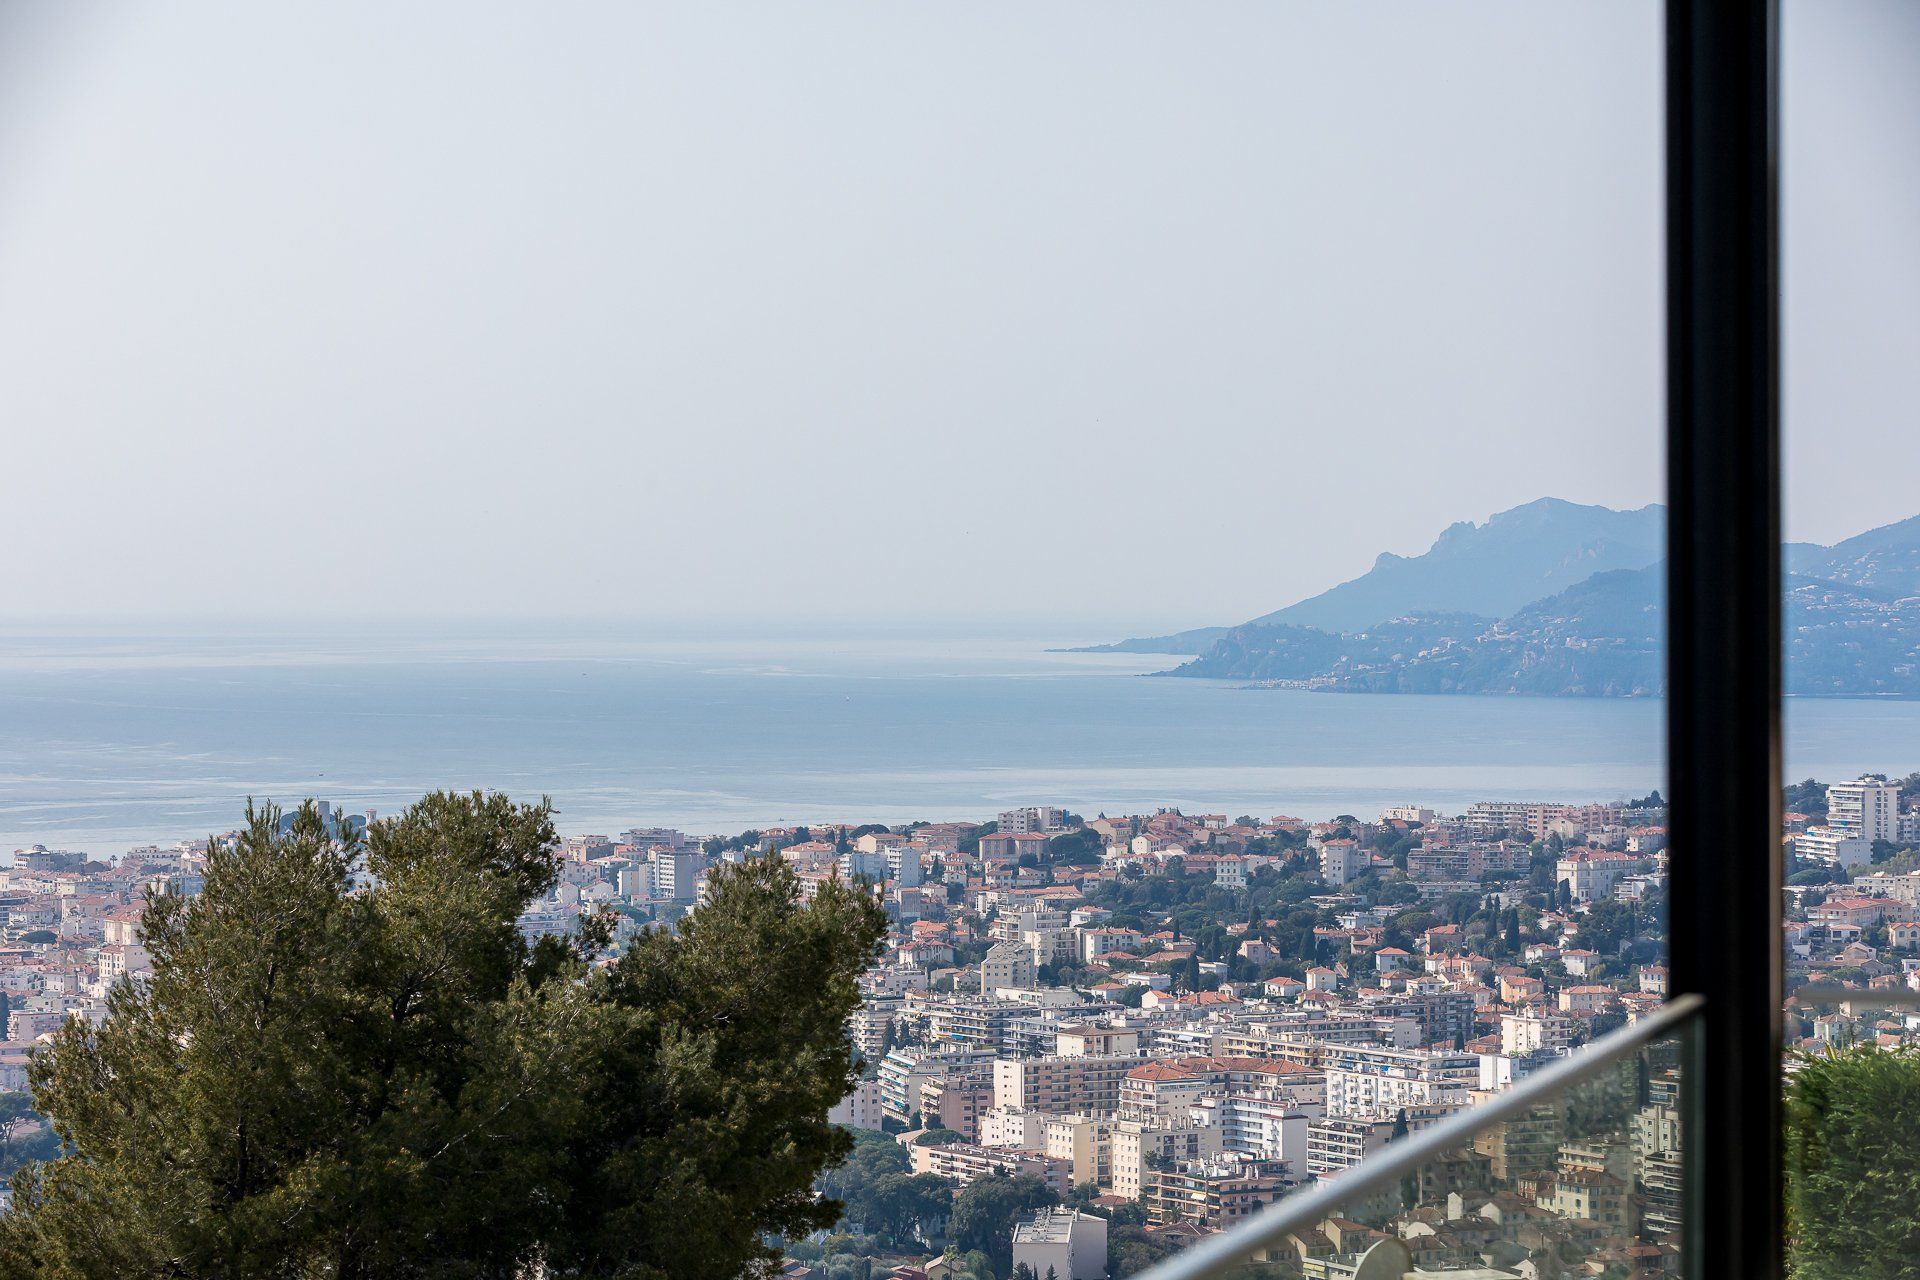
x=904, y=864
x=956, y=1099
x=1904, y=888
x=1214, y=1196
x=1085, y=1040
x=1009, y=925
x=1369, y=1081
x=966, y=1020
x=1591, y=873
x=860, y=1109
x=1267, y=1125
x=1866, y=809
x=1340, y=1142
x=1531, y=1032
x=1833, y=847
x=1442, y=1016
x=1080, y=1085
x=1162, y=1091
x=1043, y=819
x=1341, y=861
x=676, y=875
x=1538, y=821
x=868, y=1025
x=1007, y=964
x=1137, y=1145
x=1013, y=1127
x=1013, y=847
x=1526, y=1143
x=1084, y=1142
x=1462, y=863
x=1656, y=1134
x=1593, y=1195
x=1063, y=1243
x=1168, y=1088
x=963, y=1162
x=905, y=1070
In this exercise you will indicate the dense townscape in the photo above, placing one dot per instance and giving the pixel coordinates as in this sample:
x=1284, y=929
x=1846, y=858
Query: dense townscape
x=1090, y=1041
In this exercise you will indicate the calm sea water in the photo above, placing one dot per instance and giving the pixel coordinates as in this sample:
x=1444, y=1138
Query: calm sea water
x=107, y=742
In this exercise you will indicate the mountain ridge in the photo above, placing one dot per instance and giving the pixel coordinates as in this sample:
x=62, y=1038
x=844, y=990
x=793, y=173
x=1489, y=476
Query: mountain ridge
x=1852, y=616
x=1492, y=568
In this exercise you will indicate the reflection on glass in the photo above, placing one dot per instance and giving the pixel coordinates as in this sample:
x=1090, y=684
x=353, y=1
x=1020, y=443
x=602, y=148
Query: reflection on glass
x=1585, y=1184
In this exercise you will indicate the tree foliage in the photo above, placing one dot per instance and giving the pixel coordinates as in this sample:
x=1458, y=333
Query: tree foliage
x=879, y=1191
x=320, y=1080
x=1852, y=1184
x=984, y=1213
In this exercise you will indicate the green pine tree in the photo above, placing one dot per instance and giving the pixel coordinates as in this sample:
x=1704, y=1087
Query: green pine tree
x=319, y=1081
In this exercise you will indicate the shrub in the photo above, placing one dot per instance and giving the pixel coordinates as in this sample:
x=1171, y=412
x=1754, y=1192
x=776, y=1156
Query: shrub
x=1853, y=1186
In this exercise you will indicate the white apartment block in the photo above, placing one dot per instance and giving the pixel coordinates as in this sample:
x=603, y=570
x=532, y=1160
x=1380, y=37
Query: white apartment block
x=675, y=875
x=903, y=865
x=1833, y=846
x=859, y=1109
x=1904, y=889
x=1035, y=819
x=1063, y=1243
x=1338, y=1143
x=1007, y=964
x=904, y=1071
x=1267, y=1126
x=1365, y=1080
x=1341, y=861
x=1013, y=1127
x=1866, y=808
x=1590, y=877
x=1522, y=1034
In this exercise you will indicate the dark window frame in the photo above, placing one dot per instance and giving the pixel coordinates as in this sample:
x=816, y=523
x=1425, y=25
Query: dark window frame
x=1723, y=618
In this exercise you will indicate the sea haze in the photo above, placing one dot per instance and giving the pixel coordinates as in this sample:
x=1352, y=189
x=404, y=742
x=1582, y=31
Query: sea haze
x=111, y=741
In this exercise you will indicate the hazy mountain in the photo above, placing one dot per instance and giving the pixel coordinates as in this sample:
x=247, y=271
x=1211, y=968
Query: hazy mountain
x=1884, y=560
x=1490, y=570
x=1599, y=638
x=1847, y=642
x=1557, y=598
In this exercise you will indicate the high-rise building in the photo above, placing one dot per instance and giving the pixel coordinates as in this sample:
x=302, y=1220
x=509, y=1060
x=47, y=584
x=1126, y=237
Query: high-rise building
x=903, y=865
x=1866, y=809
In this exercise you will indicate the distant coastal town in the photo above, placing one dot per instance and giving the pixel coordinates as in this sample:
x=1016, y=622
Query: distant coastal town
x=1095, y=1039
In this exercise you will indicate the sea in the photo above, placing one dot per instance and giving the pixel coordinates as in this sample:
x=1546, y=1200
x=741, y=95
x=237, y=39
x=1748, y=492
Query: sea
x=115, y=738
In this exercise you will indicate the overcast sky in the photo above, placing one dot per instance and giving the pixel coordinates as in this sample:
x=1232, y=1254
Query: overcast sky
x=1114, y=314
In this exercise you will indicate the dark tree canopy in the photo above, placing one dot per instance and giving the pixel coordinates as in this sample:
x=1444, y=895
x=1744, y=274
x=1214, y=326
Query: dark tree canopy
x=1851, y=1179
x=985, y=1210
x=389, y=1081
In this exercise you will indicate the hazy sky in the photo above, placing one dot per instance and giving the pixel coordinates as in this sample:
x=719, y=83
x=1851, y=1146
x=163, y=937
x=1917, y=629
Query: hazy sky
x=1122, y=314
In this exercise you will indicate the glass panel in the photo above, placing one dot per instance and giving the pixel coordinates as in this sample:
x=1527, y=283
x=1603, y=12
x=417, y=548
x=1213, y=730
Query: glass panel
x=1586, y=1183
x=1851, y=276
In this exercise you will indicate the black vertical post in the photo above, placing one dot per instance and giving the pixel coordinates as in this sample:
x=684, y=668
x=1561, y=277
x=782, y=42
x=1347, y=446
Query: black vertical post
x=1723, y=597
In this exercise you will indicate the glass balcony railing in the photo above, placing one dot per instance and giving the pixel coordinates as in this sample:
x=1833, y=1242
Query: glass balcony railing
x=1575, y=1170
